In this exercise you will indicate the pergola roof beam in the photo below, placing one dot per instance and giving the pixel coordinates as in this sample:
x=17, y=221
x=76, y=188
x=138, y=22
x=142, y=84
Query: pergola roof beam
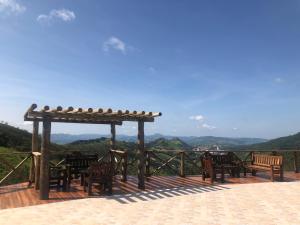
x=96, y=115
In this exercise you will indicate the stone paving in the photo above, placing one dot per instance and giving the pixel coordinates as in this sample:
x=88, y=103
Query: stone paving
x=261, y=203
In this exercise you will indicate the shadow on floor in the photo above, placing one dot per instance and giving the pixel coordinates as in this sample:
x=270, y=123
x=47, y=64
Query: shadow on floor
x=163, y=193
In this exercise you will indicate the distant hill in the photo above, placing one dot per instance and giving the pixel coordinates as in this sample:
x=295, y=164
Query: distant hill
x=222, y=141
x=12, y=137
x=15, y=138
x=288, y=142
x=173, y=144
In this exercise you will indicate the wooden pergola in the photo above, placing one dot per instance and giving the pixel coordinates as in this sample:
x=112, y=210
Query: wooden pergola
x=48, y=115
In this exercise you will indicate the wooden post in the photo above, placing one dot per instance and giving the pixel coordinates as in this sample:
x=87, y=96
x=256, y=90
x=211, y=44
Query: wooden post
x=44, y=173
x=37, y=159
x=34, y=148
x=141, y=156
x=148, y=164
x=296, y=162
x=113, y=136
x=182, y=164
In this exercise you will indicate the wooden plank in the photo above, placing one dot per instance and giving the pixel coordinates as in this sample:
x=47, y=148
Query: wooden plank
x=44, y=171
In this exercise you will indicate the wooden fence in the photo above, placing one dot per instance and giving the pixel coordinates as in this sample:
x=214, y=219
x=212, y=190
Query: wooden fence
x=158, y=162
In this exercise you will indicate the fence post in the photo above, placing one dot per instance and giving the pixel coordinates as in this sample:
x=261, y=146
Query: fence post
x=182, y=164
x=148, y=163
x=124, y=166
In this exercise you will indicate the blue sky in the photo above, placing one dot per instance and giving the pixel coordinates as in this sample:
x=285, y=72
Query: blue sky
x=223, y=68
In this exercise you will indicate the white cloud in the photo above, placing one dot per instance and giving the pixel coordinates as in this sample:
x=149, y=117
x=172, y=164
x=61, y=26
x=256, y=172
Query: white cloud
x=152, y=69
x=57, y=14
x=116, y=44
x=234, y=128
x=11, y=6
x=278, y=80
x=210, y=127
x=197, y=117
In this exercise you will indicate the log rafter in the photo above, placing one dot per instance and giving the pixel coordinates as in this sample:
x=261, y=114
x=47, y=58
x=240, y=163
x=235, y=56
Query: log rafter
x=79, y=115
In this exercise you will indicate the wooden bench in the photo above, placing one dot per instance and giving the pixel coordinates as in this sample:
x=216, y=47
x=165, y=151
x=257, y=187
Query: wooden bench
x=263, y=162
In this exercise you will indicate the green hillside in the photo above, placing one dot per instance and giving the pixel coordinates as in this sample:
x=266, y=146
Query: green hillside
x=221, y=141
x=172, y=144
x=288, y=142
x=12, y=137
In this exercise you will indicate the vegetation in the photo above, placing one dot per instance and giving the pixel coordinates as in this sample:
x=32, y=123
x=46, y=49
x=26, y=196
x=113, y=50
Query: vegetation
x=8, y=160
x=282, y=143
x=173, y=144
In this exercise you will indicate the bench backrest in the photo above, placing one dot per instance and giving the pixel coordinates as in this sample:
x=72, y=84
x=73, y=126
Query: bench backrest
x=82, y=161
x=267, y=160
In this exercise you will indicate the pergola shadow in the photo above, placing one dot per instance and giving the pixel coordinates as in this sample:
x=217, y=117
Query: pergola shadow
x=164, y=193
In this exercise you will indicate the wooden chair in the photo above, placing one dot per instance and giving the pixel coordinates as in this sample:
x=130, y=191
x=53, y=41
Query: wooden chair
x=230, y=161
x=100, y=173
x=75, y=163
x=58, y=177
x=210, y=169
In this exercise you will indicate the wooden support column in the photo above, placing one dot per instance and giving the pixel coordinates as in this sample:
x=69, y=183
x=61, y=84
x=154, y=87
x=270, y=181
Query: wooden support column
x=113, y=136
x=35, y=166
x=148, y=164
x=44, y=173
x=141, y=156
x=34, y=148
x=182, y=164
x=296, y=167
x=37, y=159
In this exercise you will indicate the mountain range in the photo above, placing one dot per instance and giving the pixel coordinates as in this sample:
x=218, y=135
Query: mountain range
x=190, y=140
x=15, y=138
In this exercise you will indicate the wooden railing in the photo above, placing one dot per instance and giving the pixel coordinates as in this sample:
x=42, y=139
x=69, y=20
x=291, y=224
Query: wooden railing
x=177, y=161
x=174, y=160
x=11, y=168
x=119, y=161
